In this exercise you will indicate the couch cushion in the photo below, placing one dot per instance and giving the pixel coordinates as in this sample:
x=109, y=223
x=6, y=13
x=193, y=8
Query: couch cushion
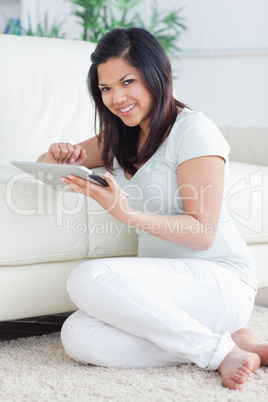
x=248, y=199
x=106, y=236
x=34, y=221
x=39, y=224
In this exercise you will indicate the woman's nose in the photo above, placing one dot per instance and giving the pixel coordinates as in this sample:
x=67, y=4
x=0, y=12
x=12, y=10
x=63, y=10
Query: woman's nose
x=119, y=96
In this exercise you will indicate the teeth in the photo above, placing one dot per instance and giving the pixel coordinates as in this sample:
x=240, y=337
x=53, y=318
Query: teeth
x=127, y=108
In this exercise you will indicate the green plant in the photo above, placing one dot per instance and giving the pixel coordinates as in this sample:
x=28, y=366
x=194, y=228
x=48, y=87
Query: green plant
x=167, y=28
x=97, y=17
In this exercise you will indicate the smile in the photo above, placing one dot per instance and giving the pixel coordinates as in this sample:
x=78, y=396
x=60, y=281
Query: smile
x=127, y=109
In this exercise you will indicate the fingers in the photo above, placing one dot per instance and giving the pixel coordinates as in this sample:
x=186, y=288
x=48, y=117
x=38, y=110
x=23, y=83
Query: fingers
x=65, y=153
x=77, y=184
x=58, y=151
x=82, y=157
x=92, y=190
x=111, y=198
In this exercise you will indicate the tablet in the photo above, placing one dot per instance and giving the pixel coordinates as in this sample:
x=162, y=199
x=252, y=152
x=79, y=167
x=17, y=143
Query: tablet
x=51, y=173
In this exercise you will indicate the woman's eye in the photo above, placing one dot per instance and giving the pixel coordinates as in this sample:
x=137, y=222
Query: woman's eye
x=127, y=82
x=105, y=89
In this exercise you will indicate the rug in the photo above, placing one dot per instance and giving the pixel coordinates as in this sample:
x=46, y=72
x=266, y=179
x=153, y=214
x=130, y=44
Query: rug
x=36, y=369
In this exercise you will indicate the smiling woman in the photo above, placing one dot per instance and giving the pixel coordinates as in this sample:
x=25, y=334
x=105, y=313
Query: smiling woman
x=125, y=94
x=140, y=54
x=191, y=290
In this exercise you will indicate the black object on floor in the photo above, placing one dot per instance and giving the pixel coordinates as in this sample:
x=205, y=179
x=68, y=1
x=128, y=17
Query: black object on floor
x=34, y=326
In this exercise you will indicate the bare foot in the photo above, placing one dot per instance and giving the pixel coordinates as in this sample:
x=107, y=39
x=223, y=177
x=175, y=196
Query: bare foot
x=245, y=340
x=237, y=366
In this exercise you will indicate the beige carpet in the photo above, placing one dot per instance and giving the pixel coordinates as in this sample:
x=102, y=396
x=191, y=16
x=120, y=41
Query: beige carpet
x=36, y=369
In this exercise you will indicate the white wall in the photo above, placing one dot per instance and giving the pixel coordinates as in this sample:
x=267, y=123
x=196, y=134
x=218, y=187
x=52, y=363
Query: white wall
x=224, y=24
x=231, y=89
x=223, y=67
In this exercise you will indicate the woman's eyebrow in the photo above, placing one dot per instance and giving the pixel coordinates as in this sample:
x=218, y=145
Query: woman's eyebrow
x=120, y=79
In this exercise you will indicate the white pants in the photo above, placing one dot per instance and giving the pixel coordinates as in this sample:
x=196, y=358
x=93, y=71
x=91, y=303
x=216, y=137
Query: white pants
x=149, y=312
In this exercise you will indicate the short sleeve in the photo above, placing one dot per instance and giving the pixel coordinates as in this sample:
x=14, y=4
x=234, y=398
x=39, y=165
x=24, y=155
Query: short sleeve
x=194, y=135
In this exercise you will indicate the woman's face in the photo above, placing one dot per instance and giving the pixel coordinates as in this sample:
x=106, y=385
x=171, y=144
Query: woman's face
x=124, y=93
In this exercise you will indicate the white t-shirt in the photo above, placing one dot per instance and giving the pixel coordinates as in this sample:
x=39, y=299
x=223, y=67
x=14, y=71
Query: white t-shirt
x=154, y=188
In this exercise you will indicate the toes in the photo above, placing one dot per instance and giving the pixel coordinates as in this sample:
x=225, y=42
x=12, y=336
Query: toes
x=240, y=378
x=231, y=384
x=237, y=378
x=236, y=382
x=238, y=386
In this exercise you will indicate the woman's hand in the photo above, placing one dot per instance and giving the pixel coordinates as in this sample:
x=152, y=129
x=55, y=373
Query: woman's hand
x=111, y=198
x=65, y=153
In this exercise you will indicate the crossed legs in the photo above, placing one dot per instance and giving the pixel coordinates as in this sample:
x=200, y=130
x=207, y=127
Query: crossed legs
x=141, y=312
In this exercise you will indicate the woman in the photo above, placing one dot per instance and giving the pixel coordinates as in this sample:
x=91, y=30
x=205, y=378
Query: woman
x=187, y=295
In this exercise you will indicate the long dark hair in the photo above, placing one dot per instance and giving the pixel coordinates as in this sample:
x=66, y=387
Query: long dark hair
x=140, y=49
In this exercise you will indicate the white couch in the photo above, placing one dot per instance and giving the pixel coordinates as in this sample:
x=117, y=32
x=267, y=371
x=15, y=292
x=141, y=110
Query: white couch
x=44, y=234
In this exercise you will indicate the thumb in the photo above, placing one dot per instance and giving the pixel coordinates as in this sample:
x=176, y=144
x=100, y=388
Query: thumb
x=113, y=184
x=83, y=154
x=110, y=179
